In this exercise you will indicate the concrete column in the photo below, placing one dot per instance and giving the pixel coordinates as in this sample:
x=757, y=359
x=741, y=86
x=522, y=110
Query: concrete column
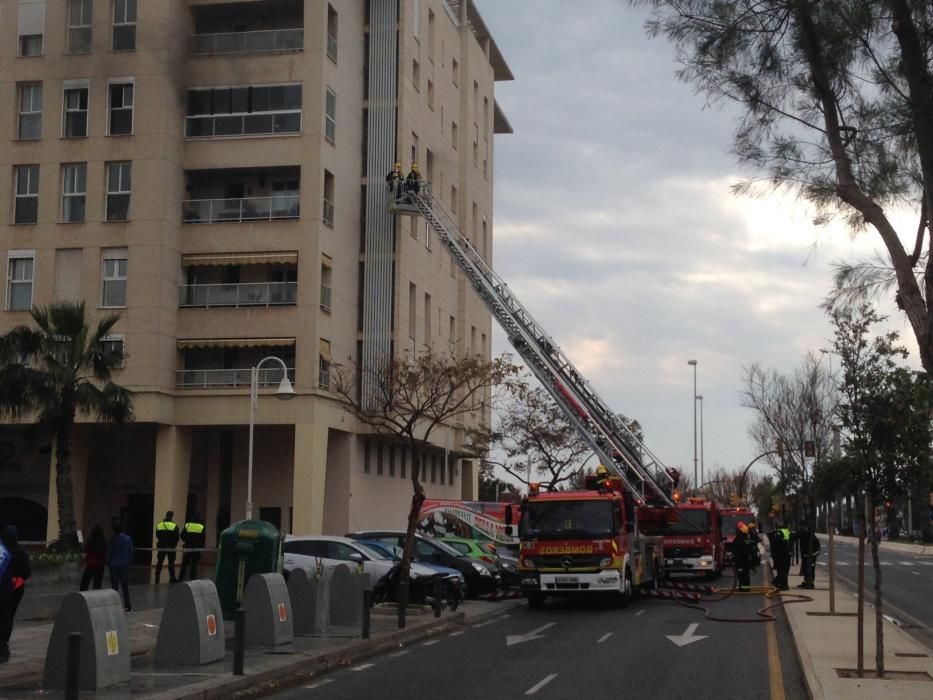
x=309, y=479
x=172, y=466
x=79, y=448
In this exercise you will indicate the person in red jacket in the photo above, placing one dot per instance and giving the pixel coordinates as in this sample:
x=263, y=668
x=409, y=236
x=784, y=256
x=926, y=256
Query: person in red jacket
x=95, y=559
x=14, y=570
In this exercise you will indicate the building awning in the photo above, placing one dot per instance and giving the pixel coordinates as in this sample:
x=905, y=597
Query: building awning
x=261, y=258
x=235, y=343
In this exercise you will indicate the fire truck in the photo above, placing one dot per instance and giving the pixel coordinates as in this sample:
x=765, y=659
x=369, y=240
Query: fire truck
x=586, y=542
x=693, y=539
x=730, y=518
x=642, y=487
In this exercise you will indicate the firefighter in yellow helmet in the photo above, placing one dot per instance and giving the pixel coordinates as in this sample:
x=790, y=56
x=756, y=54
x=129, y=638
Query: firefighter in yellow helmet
x=394, y=180
x=413, y=181
x=602, y=477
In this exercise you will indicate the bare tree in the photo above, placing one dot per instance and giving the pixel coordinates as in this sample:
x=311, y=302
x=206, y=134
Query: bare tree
x=410, y=399
x=732, y=486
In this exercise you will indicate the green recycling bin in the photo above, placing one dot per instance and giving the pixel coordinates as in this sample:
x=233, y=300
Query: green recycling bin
x=246, y=548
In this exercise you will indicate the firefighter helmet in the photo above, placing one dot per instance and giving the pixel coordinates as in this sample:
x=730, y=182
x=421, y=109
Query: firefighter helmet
x=601, y=470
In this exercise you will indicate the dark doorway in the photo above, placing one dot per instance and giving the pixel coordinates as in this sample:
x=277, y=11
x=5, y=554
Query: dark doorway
x=29, y=517
x=138, y=522
x=272, y=515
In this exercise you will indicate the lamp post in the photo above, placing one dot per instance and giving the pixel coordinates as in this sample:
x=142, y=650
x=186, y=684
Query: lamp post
x=284, y=393
x=695, y=475
x=702, y=473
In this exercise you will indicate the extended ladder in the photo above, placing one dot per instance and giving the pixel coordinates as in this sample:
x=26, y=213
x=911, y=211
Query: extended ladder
x=614, y=443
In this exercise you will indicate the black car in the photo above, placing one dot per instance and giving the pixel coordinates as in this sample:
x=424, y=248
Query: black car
x=481, y=578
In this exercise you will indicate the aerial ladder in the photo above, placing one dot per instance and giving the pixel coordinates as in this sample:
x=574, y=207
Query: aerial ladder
x=606, y=433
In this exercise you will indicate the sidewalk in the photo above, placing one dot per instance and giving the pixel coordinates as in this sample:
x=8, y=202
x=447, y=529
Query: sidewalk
x=925, y=549
x=826, y=644
x=307, y=656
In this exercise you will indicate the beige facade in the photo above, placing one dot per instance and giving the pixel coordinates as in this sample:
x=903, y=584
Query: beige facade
x=199, y=166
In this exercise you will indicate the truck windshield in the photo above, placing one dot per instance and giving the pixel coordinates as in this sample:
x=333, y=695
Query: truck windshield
x=554, y=520
x=730, y=521
x=689, y=522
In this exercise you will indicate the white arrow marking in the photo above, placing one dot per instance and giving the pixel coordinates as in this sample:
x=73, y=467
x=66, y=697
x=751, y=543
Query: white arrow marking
x=687, y=637
x=511, y=639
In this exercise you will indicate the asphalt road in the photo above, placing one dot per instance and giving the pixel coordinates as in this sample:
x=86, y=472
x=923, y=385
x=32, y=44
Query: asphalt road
x=585, y=649
x=906, y=584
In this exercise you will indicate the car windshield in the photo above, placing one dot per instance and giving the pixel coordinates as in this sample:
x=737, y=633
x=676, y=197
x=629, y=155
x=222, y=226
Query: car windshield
x=374, y=552
x=690, y=521
x=443, y=546
x=554, y=520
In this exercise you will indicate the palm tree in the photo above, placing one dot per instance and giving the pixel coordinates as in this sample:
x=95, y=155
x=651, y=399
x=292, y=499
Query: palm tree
x=56, y=371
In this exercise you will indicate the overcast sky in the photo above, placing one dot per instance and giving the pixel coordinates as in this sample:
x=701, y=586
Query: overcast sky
x=615, y=225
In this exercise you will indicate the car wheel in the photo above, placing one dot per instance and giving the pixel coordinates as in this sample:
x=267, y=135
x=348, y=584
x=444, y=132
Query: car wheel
x=625, y=591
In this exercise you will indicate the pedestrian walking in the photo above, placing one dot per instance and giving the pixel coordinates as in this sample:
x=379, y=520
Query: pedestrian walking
x=193, y=537
x=119, y=558
x=413, y=181
x=779, y=542
x=741, y=558
x=394, y=180
x=14, y=571
x=95, y=559
x=166, y=532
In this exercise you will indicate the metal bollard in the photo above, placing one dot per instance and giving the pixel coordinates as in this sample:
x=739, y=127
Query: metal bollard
x=438, y=592
x=73, y=667
x=367, y=611
x=239, y=640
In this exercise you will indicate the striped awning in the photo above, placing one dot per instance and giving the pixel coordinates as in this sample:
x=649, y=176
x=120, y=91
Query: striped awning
x=235, y=343
x=261, y=258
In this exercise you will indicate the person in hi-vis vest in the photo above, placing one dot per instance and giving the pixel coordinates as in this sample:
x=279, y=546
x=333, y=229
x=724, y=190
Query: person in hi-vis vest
x=166, y=539
x=193, y=537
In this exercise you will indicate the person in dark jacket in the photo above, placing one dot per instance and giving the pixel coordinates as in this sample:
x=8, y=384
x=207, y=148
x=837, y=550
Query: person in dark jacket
x=119, y=558
x=779, y=541
x=14, y=571
x=741, y=558
x=95, y=559
x=413, y=181
x=809, y=551
x=754, y=554
x=166, y=531
x=194, y=536
x=394, y=180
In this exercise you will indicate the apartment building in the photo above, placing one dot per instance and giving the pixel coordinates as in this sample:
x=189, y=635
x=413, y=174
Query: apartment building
x=214, y=171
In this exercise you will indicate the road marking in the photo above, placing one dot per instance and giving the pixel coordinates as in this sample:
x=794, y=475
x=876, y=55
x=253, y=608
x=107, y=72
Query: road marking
x=362, y=667
x=324, y=681
x=511, y=639
x=639, y=612
x=906, y=563
x=775, y=678
x=604, y=638
x=431, y=643
x=915, y=573
x=540, y=684
x=456, y=634
x=688, y=637
x=399, y=653
x=482, y=624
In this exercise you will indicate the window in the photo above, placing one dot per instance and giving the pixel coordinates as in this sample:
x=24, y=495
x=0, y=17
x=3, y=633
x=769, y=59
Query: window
x=473, y=339
x=31, y=27
x=26, y=201
x=243, y=111
x=327, y=273
x=74, y=192
x=431, y=35
x=324, y=366
x=427, y=319
x=454, y=134
x=114, y=345
x=429, y=164
x=20, y=268
x=331, y=34
x=486, y=117
x=454, y=71
x=412, y=309
x=416, y=75
x=452, y=331
x=124, y=25
x=485, y=240
x=330, y=115
x=113, y=277
x=453, y=199
x=430, y=94
x=367, y=456
x=30, y=111
x=328, y=216
x=79, y=26
x=75, y=110
x=414, y=147
x=121, y=109
x=118, y=191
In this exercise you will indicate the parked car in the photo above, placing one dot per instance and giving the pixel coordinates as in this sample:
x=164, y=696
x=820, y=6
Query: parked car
x=506, y=565
x=481, y=578
x=395, y=552
x=307, y=551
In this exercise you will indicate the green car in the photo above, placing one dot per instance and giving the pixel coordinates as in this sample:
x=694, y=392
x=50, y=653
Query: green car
x=475, y=549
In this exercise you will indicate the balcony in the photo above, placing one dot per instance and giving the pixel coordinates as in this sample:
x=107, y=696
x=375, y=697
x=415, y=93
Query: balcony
x=241, y=195
x=244, y=110
x=213, y=211
x=261, y=41
x=250, y=294
x=228, y=378
x=226, y=363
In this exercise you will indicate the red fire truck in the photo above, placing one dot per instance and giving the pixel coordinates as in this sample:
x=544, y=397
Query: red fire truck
x=586, y=542
x=730, y=518
x=693, y=539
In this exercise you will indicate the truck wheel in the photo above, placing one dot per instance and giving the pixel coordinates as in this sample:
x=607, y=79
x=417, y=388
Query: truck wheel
x=536, y=601
x=625, y=593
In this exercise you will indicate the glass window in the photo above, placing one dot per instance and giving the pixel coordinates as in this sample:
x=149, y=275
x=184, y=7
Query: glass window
x=79, y=26
x=75, y=108
x=26, y=205
x=331, y=33
x=330, y=116
x=114, y=345
x=74, y=192
x=31, y=27
x=121, y=109
x=328, y=214
x=30, y=111
x=124, y=25
x=238, y=111
x=118, y=191
x=113, y=280
x=339, y=550
x=19, y=283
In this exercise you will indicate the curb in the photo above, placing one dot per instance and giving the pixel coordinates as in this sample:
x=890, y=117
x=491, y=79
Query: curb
x=921, y=549
x=804, y=660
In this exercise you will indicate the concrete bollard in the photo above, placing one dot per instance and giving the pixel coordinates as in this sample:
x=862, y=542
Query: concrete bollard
x=268, y=611
x=308, y=593
x=191, y=632
x=105, y=642
x=346, y=588
x=73, y=669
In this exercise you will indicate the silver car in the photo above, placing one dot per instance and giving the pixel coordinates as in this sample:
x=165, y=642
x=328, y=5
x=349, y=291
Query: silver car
x=325, y=551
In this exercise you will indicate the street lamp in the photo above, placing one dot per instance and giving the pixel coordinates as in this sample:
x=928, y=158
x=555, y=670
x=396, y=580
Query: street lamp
x=694, y=363
x=285, y=392
x=702, y=473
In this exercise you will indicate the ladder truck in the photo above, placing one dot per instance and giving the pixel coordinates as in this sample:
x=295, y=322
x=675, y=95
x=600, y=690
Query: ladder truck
x=641, y=486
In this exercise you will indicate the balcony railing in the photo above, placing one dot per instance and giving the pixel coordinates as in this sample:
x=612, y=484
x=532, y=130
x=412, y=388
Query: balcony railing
x=264, y=41
x=227, y=378
x=236, y=295
x=212, y=211
x=252, y=124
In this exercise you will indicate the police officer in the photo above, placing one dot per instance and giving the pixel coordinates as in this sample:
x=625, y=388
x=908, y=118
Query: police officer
x=193, y=537
x=741, y=558
x=809, y=551
x=779, y=540
x=166, y=531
